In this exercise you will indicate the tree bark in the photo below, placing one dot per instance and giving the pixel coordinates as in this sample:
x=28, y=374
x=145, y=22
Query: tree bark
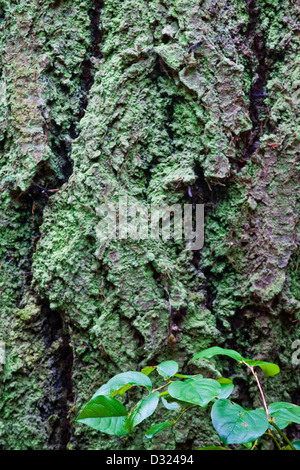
x=164, y=102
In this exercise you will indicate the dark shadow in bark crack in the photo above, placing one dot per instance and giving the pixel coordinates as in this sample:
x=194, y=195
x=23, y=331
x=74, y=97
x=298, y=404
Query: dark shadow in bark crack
x=55, y=411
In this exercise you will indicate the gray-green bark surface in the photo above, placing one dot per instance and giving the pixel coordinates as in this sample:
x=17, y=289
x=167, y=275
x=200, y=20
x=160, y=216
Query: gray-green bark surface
x=158, y=101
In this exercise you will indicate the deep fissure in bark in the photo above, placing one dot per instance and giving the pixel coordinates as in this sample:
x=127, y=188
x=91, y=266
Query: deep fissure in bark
x=33, y=202
x=209, y=195
x=257, y=95
x=87, y=78
x=57, y=342
x=259, y=68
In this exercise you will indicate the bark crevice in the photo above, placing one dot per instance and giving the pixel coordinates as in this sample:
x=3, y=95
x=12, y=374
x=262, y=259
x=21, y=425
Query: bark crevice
x=45, y=184
x=55, y=411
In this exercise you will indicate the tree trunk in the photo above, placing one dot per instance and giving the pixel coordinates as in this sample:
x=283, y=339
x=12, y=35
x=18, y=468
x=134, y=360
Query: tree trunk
x=165, y=102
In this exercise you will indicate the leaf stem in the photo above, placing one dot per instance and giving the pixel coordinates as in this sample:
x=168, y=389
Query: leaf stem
x=184, y=411
x=254, y=445
x=269, y=433
x=282, y=434
x=159, y=388
x=260, y=389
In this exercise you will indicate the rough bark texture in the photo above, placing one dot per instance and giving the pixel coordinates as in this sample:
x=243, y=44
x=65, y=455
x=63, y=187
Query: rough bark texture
x=160, y=101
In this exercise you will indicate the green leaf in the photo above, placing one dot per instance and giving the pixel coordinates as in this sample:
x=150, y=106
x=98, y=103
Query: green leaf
x=158, y=428
x=226, y=387
x=102, y=407
x=167, y=397
x=111, y=426
x=122, y=390
x=119, y=381
x=147, y=370
x=248, y=445
x=167, y=369
x=268, y=368
x=236, y=425
x=212, y=448
x=284, y=413
x=104, y=414
x=197, y=391
x=142, y=410
x=296, y=444
x=181, y=376
x=217, y=351
x=172, y=405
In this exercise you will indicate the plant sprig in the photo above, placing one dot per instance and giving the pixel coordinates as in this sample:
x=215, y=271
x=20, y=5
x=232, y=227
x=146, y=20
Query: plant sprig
x=234, y=424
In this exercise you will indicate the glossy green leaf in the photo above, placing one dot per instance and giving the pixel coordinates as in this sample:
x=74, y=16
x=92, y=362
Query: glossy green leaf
x=119, y=381
x=284, y=413
x=158, y=428
x=111, y=426
x=248, y=445
x=296, y=444
x=170, y=405
x=268, y=368
x=142, y=410
x=167, y=369
x=104, y=414
x=147, y=370
x=182, y=376
x=164, y=393
x=197, y=391
x=167, y=397
x=102, y=407
x=236, y=425
x=122, y=390
x=217, y=351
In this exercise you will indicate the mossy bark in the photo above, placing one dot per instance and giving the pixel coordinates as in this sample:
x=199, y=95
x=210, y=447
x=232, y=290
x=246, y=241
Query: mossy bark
x=165, y=102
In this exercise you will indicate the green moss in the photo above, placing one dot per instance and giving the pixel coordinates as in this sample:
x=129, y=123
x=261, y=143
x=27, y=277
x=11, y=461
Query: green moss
x=166, y=101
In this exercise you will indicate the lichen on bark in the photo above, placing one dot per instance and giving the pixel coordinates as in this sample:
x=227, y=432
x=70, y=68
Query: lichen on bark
x=165, y=102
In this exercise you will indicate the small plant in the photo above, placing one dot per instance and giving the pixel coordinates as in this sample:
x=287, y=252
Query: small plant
x=181, y=393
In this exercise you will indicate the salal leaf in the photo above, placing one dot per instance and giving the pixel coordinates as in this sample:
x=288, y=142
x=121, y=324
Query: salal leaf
x=142, y=410
x=197, y=391
x=120, y=380
x=217, y=351
x=226, y=387
x=170, y=405
x=296, y=444
x=268, y=368
x=167, y=397
x=102, y=407
x=104, y=414
x=167, y=369
x=284, y=413
x=248, y=445
x=147, y=370
x=158, y=428
x=122, y=390
x=236, y=425
x=111, y=426
x=181, y=376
